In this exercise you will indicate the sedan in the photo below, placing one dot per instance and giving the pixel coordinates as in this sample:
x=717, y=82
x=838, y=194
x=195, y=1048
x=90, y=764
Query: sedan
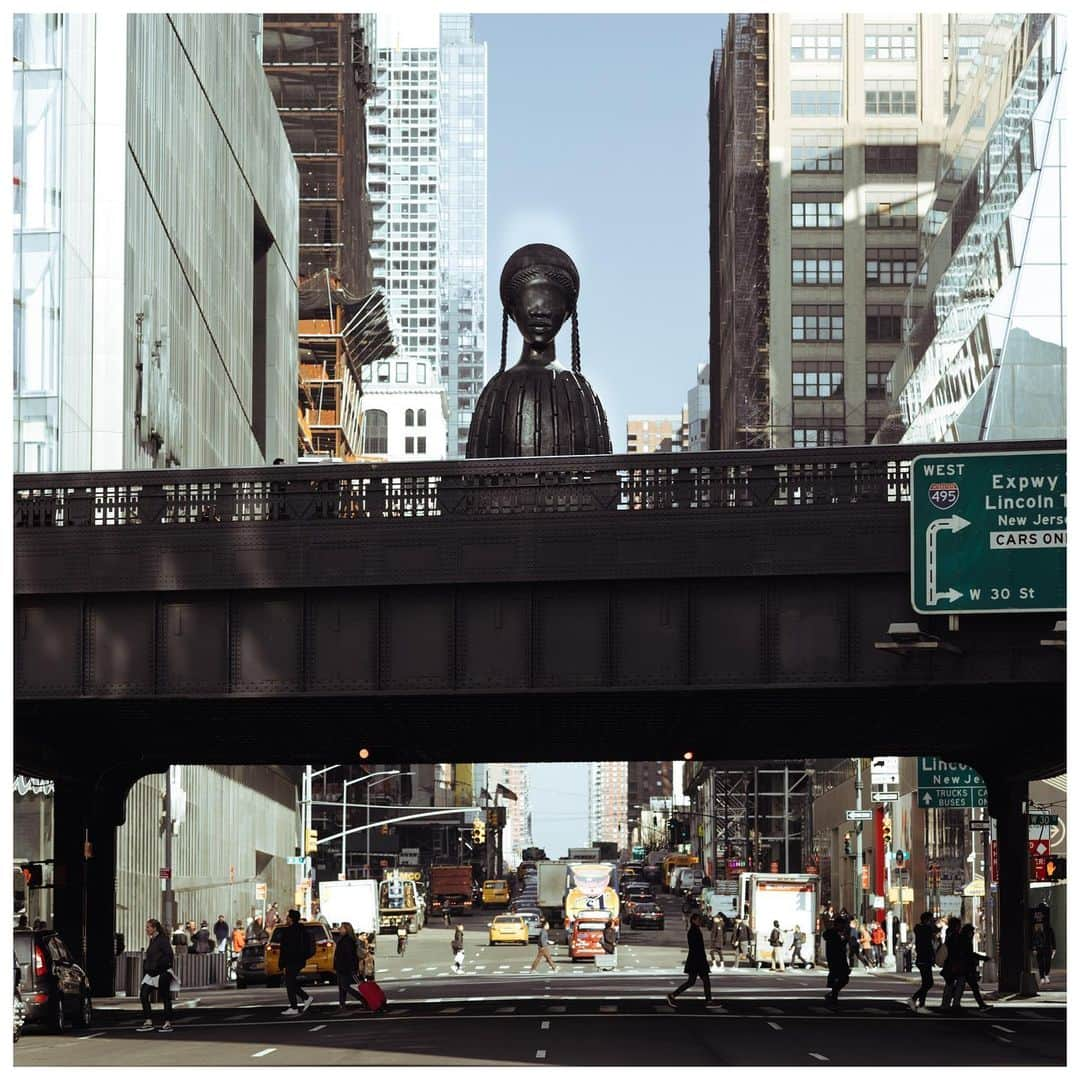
x=508, y=929
x=534, y=920
x=55, y=990
x=647, y=913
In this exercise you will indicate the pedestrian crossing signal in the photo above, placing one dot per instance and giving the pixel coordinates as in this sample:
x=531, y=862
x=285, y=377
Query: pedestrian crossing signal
x=1055, y=869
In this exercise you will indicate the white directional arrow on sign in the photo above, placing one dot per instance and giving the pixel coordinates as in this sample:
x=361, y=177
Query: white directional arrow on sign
x=927, y=799
x=954, y=524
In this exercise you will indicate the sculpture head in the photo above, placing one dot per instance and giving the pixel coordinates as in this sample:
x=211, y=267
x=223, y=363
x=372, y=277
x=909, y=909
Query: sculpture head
x=539, y=288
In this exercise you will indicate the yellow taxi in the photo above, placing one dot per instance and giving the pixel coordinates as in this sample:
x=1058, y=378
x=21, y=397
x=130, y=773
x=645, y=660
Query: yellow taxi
x=319, y=966
x=508, y=930
x=495, y=894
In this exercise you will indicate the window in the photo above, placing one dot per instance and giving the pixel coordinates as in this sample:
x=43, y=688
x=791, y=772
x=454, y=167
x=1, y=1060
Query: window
x=891, y=266
x=421, y=444
x=890, y=97
x=410, y=417
x=889, y=41
x=817, y=378
x=408, y=444
x=825, y=433
x=374, y=421
x=817, y=266
x=877, y=372
x=421, y=373
x=892, y=152
x=401, y=373
x=816, y=97
x=817, y=322
x=421, y=418
x=883, y=322
x=811, y=210
x=892, y=210
x=817, y=151
x=382, y=372
x=816, y=41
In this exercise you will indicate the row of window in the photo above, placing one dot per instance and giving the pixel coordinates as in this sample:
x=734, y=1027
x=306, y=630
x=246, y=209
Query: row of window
x=376, y=434
x=881, y=41
x=884, y=266
x=401, y=373
x=882, y=210
x=825, y=322
x=828, y=382
x=882, y=97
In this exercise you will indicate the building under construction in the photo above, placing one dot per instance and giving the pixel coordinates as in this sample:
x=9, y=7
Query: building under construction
x=321, y=71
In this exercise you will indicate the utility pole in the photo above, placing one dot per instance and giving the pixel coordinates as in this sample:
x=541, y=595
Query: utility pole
x=858, y=843
x=168, y=900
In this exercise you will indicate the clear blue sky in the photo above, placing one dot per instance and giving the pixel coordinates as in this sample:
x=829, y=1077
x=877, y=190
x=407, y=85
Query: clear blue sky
x=559, y=810
x=597, y=142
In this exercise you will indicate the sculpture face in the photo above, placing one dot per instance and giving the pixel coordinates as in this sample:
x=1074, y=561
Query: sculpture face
x=540, y=308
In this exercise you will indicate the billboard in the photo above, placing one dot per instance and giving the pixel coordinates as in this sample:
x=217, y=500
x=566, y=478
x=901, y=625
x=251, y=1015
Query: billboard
x=591, y=891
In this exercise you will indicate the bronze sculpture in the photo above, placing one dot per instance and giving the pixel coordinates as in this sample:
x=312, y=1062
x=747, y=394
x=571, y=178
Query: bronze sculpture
x=538, y=408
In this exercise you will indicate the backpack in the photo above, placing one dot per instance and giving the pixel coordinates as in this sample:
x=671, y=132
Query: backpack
x=775, y=938
x=309, y=945
x=941, y=954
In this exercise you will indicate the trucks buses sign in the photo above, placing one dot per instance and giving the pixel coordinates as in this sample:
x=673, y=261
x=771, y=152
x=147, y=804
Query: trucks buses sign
x=988, y=532
x=949, y=784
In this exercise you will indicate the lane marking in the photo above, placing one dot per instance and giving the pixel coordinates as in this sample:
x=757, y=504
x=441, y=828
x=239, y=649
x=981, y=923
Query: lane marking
x=263, y=1053
x=775, y=1026
x=545, y=1025
x=453, y=1009
x=541, y=1054
x=408, y=969
x=94, y=1036
x=820, y=1057
x=317, y=1027
x=1000, y=1027
x=1001, y=1039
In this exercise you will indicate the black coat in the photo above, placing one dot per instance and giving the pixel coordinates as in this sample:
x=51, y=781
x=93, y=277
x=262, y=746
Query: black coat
x=294, y=946
x=221, y=930
x=158, y=957
x=200, y=943
x=925, y=943
x=836, y=949
x=696, y=960
x=346, y=958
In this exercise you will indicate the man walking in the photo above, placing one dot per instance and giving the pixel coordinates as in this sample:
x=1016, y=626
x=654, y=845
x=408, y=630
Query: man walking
x=836, y=939
x=221, y=933
x=295, y=948
x=1045, y=945
x=798, y=939
x=776, y=945
x=457, y=947
x=157, y=969
x=696, y=966
x=740, y=942
x=925, y=947
x=543, y=950
x=716, y=944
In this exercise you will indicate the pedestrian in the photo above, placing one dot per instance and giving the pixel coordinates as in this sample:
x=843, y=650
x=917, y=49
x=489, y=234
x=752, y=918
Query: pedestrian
x=366, y=953
x=716, y=944
x=967, y=969
x=798, y=939
x=1045, y=945
x=926, y=943
x=696, y=965
x=273, y=918
x=837, y=938
x=295, y=946
x=853, y=940
x=180, y=940
x=201, y=939
x=864, y=947
x=157, y=973
x=446, y=916
x=347, y=964
x=740, y=941
x=257, y=934
x=877, y=944
x=221, y=933
x=238, y=937
x=543, y=948
x=950, y=967
x=687, y=910
x=402, y=940
x=608, y=942
x=776, y=946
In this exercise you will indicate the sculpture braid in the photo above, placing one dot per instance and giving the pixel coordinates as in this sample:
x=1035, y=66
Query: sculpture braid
x=575, y=346
x=506, y=327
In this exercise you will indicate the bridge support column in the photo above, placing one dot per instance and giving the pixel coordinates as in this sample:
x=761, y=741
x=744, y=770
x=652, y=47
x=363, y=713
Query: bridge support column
x=84, y=900
x=1008, y=805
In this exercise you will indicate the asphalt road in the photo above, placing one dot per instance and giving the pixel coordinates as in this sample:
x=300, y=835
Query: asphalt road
x=499, y=1014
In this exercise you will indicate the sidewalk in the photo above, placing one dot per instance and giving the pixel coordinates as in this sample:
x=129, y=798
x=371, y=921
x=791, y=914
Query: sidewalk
x=1053, y=991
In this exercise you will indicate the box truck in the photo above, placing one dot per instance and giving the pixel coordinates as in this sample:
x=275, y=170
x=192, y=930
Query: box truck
x=355, y=902
x=790, y=899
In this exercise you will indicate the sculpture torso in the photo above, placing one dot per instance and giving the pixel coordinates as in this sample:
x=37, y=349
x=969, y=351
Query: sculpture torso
x=536, y=411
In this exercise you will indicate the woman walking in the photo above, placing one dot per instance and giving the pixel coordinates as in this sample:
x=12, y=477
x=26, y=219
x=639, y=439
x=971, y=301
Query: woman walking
x=966, y=968
x=157, y=973
x=347, y=964
x=864, y=947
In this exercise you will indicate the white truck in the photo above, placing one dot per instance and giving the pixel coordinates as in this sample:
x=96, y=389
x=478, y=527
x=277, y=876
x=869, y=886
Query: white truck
x=355, y=902
x=790, y=899
x=686, y=879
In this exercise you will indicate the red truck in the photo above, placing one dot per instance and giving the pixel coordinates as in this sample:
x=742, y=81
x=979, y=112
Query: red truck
x=451, y=890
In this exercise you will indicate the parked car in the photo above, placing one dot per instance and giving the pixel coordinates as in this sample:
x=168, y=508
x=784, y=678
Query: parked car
x=508, y=929
x=55, y=990
x=319, y=967
x=647, y=913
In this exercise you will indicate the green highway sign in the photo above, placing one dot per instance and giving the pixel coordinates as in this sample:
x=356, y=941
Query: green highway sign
x=949, y=784
x=988, y=532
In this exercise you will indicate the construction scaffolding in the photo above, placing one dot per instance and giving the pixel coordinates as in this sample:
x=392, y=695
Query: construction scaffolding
x=739, y=237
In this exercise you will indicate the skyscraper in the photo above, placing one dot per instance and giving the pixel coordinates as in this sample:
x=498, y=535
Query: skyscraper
x=824, y=137
x=427, y=175
x=607, y=802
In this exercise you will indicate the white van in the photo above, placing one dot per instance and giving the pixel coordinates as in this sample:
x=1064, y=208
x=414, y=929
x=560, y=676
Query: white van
x=687, y=879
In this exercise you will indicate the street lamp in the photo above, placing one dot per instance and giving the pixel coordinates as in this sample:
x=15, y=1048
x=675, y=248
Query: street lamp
x=345, y=825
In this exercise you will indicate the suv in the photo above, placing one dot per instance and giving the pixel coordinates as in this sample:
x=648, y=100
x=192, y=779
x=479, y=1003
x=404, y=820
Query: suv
x=319, y=966
x=54, y=989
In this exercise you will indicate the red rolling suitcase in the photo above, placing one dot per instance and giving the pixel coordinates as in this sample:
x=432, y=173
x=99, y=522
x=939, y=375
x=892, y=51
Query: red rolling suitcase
x=373, y=995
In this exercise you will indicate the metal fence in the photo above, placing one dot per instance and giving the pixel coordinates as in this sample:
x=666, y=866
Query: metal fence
x=196, y=971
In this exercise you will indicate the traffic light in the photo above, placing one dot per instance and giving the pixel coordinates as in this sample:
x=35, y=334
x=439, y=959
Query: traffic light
x=34, y=874
x=478, y=830
x=886, y=831
x=1055, y=869
x=847, y=844
x=311, y=841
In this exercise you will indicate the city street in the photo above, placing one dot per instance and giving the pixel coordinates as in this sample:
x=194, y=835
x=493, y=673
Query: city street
x=499, y=1014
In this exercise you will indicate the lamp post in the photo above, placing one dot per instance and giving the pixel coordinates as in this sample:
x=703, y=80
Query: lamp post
x=371, y=776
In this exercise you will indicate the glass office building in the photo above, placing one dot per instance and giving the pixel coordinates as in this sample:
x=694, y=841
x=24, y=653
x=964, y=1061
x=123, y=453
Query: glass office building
x=985, y=360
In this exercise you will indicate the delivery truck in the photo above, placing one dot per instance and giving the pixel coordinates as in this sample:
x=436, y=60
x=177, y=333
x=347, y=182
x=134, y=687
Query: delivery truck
x=451, y=890
x=790, y=899
x=397, y=903
x=355, y=902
